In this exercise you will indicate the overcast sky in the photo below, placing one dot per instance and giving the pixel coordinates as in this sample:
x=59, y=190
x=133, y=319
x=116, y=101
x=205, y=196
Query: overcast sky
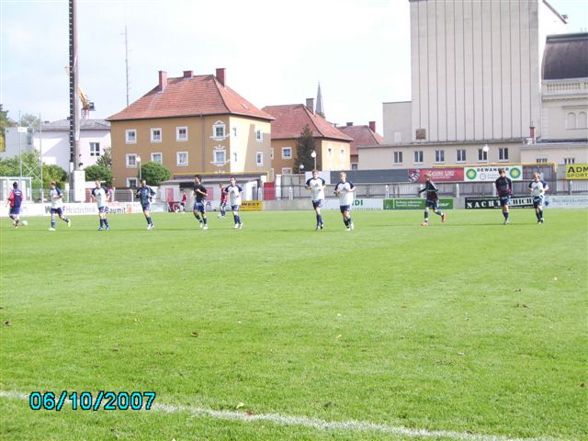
x=275, y=52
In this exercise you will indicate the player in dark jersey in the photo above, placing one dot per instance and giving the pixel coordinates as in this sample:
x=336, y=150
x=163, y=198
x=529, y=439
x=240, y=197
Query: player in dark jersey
x=504, y=190
x=14, y=202
x=199, y=208
x=223, y=202
x=432, y=200
x=145, y=195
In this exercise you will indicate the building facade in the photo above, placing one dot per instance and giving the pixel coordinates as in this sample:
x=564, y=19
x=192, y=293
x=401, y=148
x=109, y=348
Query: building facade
x=362, y=135
x=194, y=124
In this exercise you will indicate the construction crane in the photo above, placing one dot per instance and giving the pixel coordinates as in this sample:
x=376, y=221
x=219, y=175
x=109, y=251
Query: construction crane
x=87, y=105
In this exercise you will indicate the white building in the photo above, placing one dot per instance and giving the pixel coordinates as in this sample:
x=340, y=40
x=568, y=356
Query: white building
x=52, y=140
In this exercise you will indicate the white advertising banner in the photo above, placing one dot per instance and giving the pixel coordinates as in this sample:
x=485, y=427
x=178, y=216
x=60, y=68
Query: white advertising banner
x=578, y=201
x=490, y=173
x=77, y=209
x=358, y=204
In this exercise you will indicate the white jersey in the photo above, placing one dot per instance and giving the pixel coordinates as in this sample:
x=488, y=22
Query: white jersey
x=537, y=188
x=345, y=193
x=234, y=192
x=100, y=196
x=56, y=197
x=317, y=188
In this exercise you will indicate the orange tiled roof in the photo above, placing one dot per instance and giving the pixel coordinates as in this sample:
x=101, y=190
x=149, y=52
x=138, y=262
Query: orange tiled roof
x=362, y=135
x=190, y=96
x=290, y=120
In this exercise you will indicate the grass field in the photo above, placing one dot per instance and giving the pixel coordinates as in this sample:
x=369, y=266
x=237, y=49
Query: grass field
x=470, y=328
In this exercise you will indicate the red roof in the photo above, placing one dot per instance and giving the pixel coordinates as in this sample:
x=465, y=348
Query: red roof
x=290, y=120
x=362, y=135
x=190, y=96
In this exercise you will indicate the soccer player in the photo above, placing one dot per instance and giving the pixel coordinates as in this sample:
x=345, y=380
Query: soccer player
x=14, y=202
x=199, y=208
x=101, y=197
x=223, y=202
x=56, y=196
x=316, y=185
x=538, y=187
x=145, y=195
x=432, y=200
x=234, y=193
x=504, y=190
x=345, y=189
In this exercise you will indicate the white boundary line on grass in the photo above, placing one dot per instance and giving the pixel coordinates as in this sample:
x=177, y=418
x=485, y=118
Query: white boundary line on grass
x=314, y=423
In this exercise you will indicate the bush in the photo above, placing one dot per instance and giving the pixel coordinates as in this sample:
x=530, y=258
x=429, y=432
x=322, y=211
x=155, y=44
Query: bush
x=99, y=173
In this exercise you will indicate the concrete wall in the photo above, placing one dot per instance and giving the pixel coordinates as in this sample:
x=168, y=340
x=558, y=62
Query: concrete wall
x=397, y=121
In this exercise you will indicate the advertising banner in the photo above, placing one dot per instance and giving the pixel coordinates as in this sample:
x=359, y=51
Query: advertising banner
x=572, y=201
x=358, y=204
x=576, y=171
x=415, y=204
x=490, y=173
x=494, y=202
x=251, y=206
x=445, y=174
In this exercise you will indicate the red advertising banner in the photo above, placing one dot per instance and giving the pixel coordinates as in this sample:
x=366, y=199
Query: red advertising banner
x=447, y=174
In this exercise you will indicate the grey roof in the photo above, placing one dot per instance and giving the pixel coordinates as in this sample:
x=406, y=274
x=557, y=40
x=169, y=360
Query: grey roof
x=85, y=124
x=565, y=56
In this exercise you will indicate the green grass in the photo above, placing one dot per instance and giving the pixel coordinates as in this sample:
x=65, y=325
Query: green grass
x=470, y=326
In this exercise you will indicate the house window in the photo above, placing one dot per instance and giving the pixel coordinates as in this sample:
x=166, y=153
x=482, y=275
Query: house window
x=568, y=161
x=541, y=160
x=582, y=120
x=397, y=157
x=220, y=157
x=397, y=137
x=461, y=155
x=131, y=160
x=132, y=182
x=157, y=157
x=571, y=121
x=330, y=150
x=218, y=130
x=155, y=135
x=482, y=155
x=353, y=166
x=181, y=133
x=418, y=157
x=503, y=154
x=286, y=153
x=131, y=136
x=182, y=159
x=259, y=159
x=94, y=149
x=286, y=171
x=272, y=154
x=342, y=153
x=235, y=132
x=258, y=135
x=439, y=156
x=235, y=157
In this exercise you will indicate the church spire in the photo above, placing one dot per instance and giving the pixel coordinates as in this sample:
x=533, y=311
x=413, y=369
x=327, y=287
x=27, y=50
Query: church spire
x=319, y=102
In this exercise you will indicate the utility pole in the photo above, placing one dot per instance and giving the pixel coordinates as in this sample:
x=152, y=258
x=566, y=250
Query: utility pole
x=74, y=118
x=127, y=62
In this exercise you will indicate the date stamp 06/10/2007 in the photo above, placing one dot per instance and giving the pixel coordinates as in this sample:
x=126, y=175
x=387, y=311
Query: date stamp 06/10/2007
x=101, y=400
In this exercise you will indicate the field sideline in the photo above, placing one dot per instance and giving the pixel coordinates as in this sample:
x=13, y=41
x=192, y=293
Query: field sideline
x=470, y=328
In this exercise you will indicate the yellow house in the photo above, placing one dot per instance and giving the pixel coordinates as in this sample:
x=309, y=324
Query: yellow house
x=332, y=146
x=193, y=124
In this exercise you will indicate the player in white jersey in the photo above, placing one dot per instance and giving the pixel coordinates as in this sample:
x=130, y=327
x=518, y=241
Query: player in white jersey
x=538, y=187
x=234, y=191
x=344, y=190
x=316, y=185
x=56, y=197
x=101, y=197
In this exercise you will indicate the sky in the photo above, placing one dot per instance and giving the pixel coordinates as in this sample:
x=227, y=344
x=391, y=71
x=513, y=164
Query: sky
x=275, y=52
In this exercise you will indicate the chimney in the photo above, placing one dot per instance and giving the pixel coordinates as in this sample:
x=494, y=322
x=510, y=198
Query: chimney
x=372, y=126
x=310, y=104
x=162, y=80
x=187, y=74
x=350, y=124
x=220, y=75
x=532, y=132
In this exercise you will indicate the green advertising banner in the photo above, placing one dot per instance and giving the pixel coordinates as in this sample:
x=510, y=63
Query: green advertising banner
x=414, y=204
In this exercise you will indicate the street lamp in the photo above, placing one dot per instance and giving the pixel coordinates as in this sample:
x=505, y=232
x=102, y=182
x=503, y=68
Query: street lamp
x=313, y=156
x=139, y=165
x=301, y=168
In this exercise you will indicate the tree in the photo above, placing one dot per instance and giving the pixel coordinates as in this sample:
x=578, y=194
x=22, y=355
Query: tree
x=55, y=173
x=31, y=121
x=304, y=147
x=4, y=123
x=106, y=159
x=99, y=173
x=154, y=173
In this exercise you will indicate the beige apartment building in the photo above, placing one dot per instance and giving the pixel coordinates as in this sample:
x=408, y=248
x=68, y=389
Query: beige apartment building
x=193, y=124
